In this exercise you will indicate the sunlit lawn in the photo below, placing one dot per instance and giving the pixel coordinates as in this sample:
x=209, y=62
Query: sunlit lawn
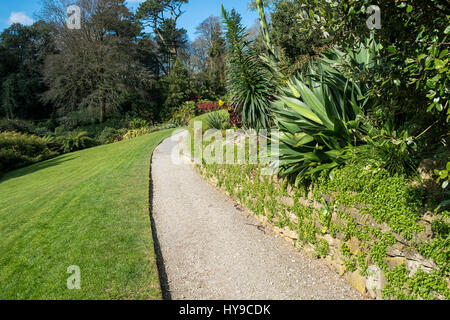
x=88, y=209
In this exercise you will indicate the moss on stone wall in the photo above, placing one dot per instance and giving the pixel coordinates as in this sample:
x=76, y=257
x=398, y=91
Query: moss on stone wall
x=365, y=225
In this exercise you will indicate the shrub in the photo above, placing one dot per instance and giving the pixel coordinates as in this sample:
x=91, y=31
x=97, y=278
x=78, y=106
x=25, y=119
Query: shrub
x=389, y=149
x=79, y=118
x=184, y=114
x=50, y=125
x=218, y=120
x=208, y=106
x=16, y=125
x=110, y=135
x=43, y=132
x=18, y=150
x=76, y=140
x=137, y=123
x=134, y=133
x=60, y=130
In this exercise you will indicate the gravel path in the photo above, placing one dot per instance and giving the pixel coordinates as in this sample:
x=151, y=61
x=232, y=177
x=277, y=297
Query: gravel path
x=211, y=249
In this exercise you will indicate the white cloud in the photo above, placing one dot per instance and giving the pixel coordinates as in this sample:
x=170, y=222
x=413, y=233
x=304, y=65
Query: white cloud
x=20, y=17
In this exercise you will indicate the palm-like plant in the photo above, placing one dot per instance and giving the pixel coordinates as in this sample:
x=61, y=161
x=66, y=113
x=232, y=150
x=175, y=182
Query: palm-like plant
x=319, y=118
x=248, y=79
x=76, y=140
x=218, y=120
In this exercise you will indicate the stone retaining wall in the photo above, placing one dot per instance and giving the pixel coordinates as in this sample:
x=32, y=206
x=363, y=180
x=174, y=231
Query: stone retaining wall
x=365, y=252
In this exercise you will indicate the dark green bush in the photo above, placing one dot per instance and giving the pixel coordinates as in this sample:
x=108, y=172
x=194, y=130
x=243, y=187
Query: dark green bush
x=137, y=123
x=182, y=115
x=110, y=135
x=76, y=140
x=16, y=125
x=18, y=150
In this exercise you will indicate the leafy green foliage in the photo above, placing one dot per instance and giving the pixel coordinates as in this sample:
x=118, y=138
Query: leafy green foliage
x=292, y=34
x=218, y=120
x=18, y=150
x=76, y=140
x=22, y=53
x=184, y=113
x=318, y=117
x=388, y=149
x=137, y=123
x=17, y=125
x=248, y=79
x=444, y=177
x=387, y=199
x=179, y=89
x=428, y=286
x=110, y=135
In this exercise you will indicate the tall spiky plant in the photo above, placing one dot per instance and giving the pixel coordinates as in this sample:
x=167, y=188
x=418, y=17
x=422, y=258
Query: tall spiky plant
x=265, y=29
x=248, y=79
x=271, y=60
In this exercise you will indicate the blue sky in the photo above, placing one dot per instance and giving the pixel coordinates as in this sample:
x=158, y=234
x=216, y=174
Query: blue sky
x=196, y=11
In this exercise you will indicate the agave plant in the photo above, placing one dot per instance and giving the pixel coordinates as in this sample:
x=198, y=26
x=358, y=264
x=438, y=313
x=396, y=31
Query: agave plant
x=248, y=78
x=319, y=116
x=218, y=120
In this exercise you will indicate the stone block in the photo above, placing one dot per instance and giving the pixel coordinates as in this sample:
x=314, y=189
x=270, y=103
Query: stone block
x=393, y=262
x=375, y=282
x=287, y=201
x=292, y=217
x=354, y=245
x=356, y=280
x=335, y=265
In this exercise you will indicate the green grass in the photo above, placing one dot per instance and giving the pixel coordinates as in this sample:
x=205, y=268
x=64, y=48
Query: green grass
x=202, y=118
x=89, y=209
x=205, y=127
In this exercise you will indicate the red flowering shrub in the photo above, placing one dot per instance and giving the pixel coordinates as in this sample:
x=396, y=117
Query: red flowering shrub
x=209, y=106
x=235, y=117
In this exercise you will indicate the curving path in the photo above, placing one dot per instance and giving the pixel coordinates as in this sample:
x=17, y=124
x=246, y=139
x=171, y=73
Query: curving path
x=211, y=249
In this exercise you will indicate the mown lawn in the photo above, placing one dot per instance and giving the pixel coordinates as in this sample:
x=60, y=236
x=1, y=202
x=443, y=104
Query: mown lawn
x=88, y=209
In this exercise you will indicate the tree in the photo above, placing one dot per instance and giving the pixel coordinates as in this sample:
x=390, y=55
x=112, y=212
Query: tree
x=22, y=53
x=249, y=81
x=96, y=64
x=209, y=49
x=179, y=88
x=162, y=16
x=292, y=34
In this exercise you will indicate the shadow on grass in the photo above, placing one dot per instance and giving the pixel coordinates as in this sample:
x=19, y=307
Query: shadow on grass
x=17, y=173
x=164, y=282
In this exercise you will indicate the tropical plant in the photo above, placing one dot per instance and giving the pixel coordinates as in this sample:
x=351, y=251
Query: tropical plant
x=134, y=133
x=109, y=135
x=319, y=117
x=248, y=78
x=218, y=120
x=76, y=140
x=389, y=149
